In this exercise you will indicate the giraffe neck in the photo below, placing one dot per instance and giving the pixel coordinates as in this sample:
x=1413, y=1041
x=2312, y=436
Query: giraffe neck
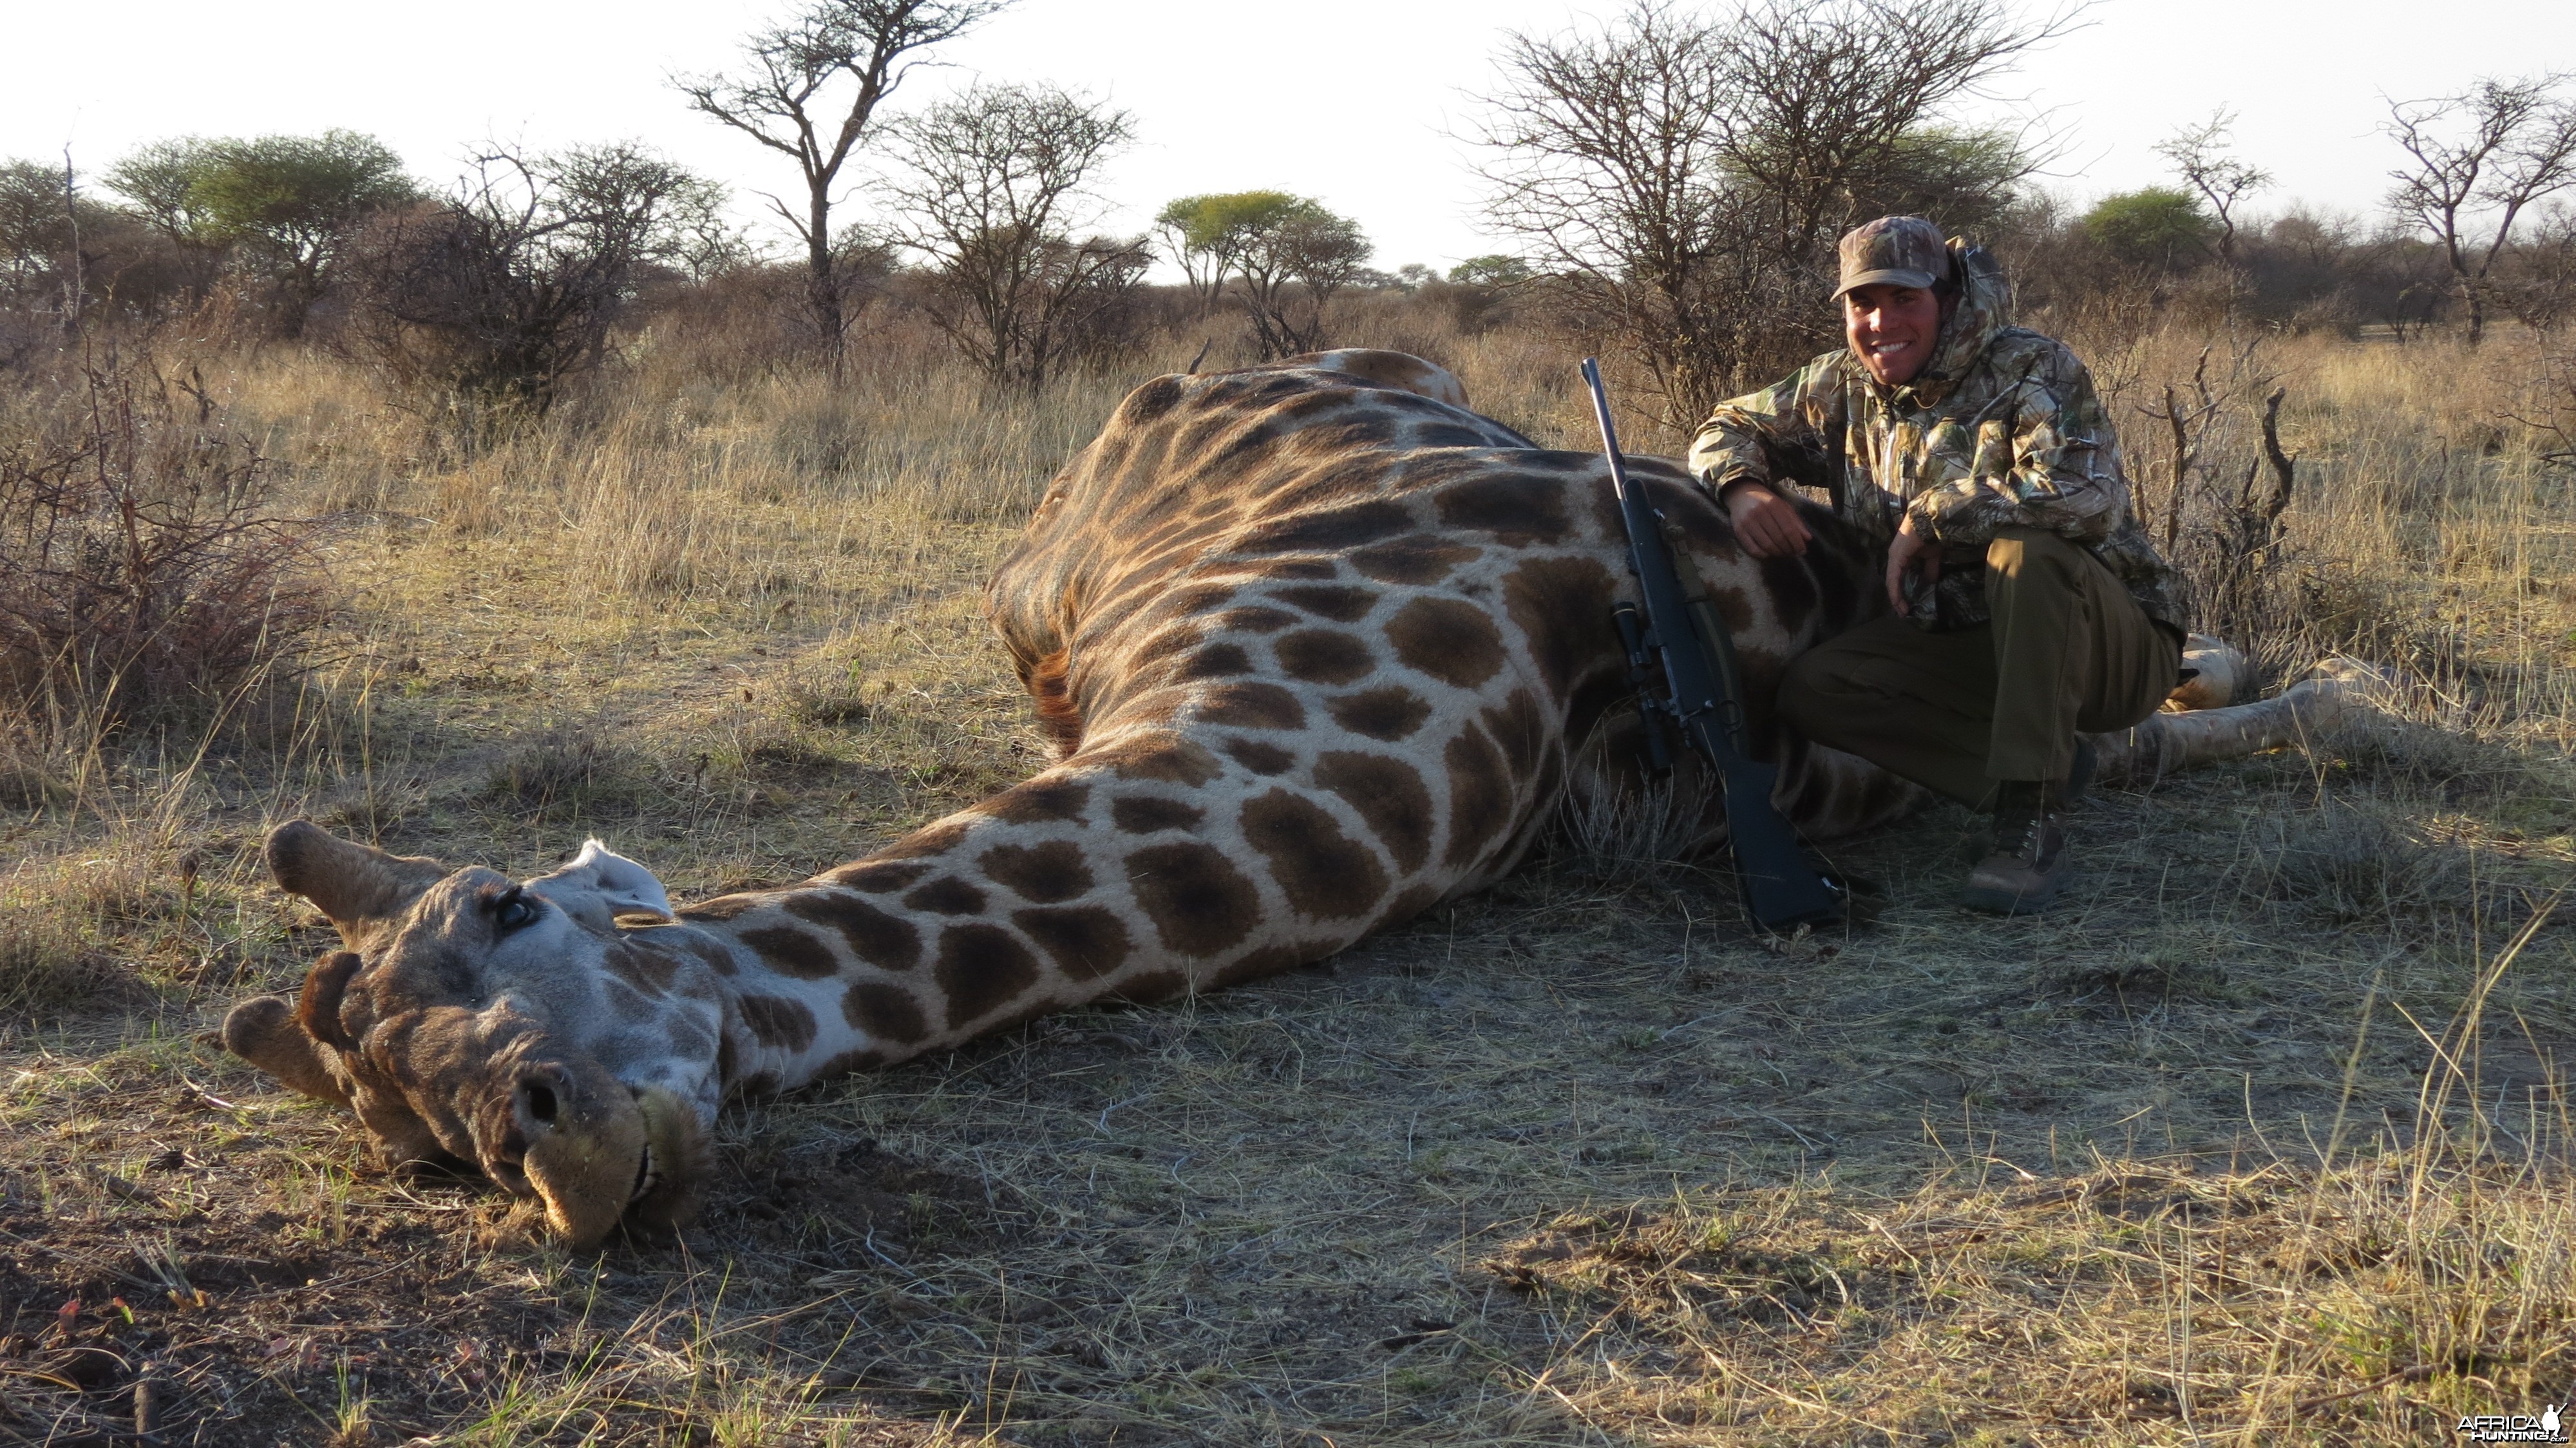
x=1097, y=880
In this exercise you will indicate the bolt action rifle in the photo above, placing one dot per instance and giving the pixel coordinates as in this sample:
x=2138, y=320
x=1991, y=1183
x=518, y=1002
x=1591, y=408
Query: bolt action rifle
x=1702, y=697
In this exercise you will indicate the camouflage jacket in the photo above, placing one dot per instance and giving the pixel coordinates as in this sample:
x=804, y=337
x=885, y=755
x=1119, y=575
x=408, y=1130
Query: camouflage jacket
x=2001, y=428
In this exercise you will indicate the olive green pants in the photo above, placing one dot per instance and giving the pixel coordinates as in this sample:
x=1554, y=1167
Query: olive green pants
x=1957, y=712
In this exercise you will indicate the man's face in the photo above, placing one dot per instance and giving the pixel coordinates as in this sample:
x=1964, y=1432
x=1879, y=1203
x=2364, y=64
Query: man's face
x=1892, y=328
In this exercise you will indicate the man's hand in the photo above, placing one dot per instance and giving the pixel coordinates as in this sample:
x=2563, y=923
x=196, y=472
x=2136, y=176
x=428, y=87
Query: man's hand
x=1909, y=549
x=1766, y=524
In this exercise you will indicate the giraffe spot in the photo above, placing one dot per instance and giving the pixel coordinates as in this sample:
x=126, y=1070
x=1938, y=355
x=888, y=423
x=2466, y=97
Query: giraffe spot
x=1085, y=941
x=936, y=839
x=878, y=877
x=723, y=907
x=1421, y=559
x=1323, y=655
x=1152, y=986
x=1333, y=531
x=1561, y=608
x=645, y=969
x=1199, y=903
x=1294, y=568
x=1480, y=797
x=1048, y=797
x=1734, y=609
x=726, y=1061
x=1323, y=872
x=1389, y=714
x=1449, y=639
x=886, y=941
x=1518, y=509
x=1388, y=795
x=718, y=959
x=1260, y=758
x=946, y=895
x=791, y=951
x=981, y=969
x=1791, y=589
x=1166, y=758
x=1256, y=619
x=1341, y=603
x=1044, y=873
x=1149, y=402
x=1216, y=661
x=757, y=1086
x=1449, y=434
x=777, y=1022
x=883, y=1012
x=1142, y=814
x=1251, y=706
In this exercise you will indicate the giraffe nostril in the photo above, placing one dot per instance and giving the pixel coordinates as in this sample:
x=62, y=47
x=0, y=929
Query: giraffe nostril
x=539, y=1102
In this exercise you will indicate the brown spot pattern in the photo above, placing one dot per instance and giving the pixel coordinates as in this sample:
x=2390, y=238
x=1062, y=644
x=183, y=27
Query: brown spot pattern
x=791, y=951
x=1341, y=604
x=1047, y=797
x=884, y=1013
x=1323, y=872
x=1389, y=714
x=1561, y=606
x=1252, y=706
x=1260, y=758
x=1199, y=903
x=981, y=969
x=1161, y=757
x=1085, y=941
x=878, y=877
x=1043, y=873
x=777, y=1022
x=1449, y=639
x=1421, y=559
x=1323, y=655
x=886, y=941
x=1388, y=795
x=1480, y=797
x=946, y=895
x=1142, y=814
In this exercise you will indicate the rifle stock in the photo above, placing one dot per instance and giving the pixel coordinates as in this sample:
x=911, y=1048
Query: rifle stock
x=1703, y=697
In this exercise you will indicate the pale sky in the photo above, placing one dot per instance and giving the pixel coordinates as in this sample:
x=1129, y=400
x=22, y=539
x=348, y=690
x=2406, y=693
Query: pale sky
x=1355, y=104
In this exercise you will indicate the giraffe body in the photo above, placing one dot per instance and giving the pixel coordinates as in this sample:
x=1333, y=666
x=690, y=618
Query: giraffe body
x=1317, y=648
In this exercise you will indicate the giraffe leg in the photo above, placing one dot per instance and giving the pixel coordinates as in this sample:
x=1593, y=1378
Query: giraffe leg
x=2333, y=691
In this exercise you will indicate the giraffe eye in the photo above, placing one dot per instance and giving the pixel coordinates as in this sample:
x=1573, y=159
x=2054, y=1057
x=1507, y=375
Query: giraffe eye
x=514, y=910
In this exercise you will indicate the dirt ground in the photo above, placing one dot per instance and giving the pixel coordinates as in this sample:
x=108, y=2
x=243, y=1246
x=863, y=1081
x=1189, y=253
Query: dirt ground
x=2257, y=1138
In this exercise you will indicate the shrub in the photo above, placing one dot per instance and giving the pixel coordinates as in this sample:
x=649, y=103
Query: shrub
x=140, y=576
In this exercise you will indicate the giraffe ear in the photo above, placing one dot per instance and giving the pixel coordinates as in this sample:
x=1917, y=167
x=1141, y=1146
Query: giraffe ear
x=363, y=889
x=599, y=884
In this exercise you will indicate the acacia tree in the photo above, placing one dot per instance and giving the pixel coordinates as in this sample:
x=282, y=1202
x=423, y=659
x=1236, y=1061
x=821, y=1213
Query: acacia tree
x=2468, y=190
x=1202, y=235
x=281, y=207
x=809, y=91
x=994, y=192
x=1290, y=256
x=2203, y=156
x=1683, y=177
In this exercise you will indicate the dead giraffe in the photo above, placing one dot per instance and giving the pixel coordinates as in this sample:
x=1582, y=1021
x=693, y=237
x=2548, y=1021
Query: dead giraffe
x=1317, y=648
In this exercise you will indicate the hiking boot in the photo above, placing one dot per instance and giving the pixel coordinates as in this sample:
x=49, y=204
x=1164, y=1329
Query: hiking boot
x=2028, y=865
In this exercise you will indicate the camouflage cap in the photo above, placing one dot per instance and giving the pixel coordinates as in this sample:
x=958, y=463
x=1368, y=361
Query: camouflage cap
x=1904, y=251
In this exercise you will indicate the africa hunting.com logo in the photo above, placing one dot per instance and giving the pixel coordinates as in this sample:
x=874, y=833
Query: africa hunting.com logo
x=2514, y=1427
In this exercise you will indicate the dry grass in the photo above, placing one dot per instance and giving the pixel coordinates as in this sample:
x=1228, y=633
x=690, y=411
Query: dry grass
x=1575, y=1161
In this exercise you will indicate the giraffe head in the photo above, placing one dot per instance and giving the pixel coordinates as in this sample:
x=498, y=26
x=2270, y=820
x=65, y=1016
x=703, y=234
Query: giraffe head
x=471, y=1019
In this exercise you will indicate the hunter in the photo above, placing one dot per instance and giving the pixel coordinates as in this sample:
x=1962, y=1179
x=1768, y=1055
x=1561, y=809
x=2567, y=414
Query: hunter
x=2029, y=606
